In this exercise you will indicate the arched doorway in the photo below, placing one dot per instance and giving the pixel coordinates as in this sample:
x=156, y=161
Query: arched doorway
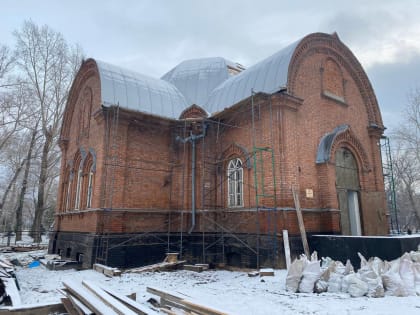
x=348, y=187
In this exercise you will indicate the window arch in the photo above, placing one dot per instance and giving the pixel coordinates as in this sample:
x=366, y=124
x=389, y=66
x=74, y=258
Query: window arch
x=235, y=176
x=88, y=181
x=78, y=187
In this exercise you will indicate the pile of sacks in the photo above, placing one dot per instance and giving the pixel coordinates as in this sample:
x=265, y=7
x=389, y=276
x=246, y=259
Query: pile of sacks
x=375, y=278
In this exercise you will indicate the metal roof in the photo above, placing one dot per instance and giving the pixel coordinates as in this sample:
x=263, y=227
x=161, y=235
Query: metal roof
x=197, y=78
x=325, y=145
x=138, y=92
x=269, y=76
x=211, y=83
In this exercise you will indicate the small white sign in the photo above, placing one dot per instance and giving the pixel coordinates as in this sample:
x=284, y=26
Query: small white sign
x=309, y=193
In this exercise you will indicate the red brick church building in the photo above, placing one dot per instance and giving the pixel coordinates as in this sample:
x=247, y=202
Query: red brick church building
x=203, y=161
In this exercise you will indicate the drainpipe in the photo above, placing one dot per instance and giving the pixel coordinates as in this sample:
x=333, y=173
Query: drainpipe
x=192, y=184
x=193, y=138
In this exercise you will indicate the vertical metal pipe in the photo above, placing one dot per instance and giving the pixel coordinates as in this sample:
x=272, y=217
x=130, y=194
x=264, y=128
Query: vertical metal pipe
x=192, y=183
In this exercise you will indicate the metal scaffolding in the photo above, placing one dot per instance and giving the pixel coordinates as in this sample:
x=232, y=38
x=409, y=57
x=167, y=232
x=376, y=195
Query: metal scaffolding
x=388, y=172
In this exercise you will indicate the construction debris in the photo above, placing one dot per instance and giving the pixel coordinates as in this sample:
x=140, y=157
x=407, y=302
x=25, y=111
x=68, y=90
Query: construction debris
x=172, y=303
x=266, y=272
x=34, y=309
x=9, y=294
x=170, y=262
x=253, y=273
x=27, y=248
x=90, y=298
x=106, y=270
x=195, y=268
x=375, y=278
x=62, y=264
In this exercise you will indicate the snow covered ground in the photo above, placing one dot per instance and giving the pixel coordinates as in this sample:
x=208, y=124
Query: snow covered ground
x=232, y=291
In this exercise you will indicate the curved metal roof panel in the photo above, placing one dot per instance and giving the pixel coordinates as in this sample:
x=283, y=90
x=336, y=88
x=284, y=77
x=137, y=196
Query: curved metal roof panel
x=138, y=92
x=197, y=78
x=269, y=76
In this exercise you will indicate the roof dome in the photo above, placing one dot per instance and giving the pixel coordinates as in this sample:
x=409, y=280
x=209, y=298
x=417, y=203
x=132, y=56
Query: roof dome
x=197, y=78
x=138, y=92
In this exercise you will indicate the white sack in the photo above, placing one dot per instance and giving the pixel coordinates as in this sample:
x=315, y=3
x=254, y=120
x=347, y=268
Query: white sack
x=294, y=274
x=310, y=275
x=355, y=286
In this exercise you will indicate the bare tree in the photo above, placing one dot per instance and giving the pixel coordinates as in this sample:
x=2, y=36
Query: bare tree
x=407, y=161
x=6, y=62
x=21, y=198
x=49, y=65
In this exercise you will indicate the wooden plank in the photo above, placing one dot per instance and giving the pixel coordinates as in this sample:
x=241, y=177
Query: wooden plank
x=12, y=291
x=109, y=300
x=169, y=312
x=205, y=266
x=156, y=267
x=266, y=272
x=171, y=257
x=133, y=305
x=286, y=248
x=114, y=272
x=106, y=270
x=188, y=303
x=69, y=307
x=301, y=223
x=33, y=309
x=166, y=304
x=193, y=268
x=79, y=306
x=99, y=268
x=88, y=298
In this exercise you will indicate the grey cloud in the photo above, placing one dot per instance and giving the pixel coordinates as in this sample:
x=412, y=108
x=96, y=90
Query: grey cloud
x=392, y=84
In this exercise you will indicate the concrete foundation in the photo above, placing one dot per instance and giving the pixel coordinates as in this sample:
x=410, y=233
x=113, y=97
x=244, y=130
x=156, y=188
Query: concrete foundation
x=133, y=250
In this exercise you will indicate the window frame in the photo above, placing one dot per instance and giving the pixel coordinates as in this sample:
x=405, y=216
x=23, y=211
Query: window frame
x=235, y=180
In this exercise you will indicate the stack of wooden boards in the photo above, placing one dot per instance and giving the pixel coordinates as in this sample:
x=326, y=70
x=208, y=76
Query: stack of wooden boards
x=88, y=298
x=11, y=302
x=9, y=293
x=176, y=303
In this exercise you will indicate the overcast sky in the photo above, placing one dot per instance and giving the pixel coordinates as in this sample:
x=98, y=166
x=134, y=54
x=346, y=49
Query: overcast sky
x=151, y=37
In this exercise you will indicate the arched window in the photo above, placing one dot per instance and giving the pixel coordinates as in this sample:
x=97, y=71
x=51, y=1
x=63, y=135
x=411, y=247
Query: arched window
x=235, y=174
x=89, y=189
x=78, y=188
